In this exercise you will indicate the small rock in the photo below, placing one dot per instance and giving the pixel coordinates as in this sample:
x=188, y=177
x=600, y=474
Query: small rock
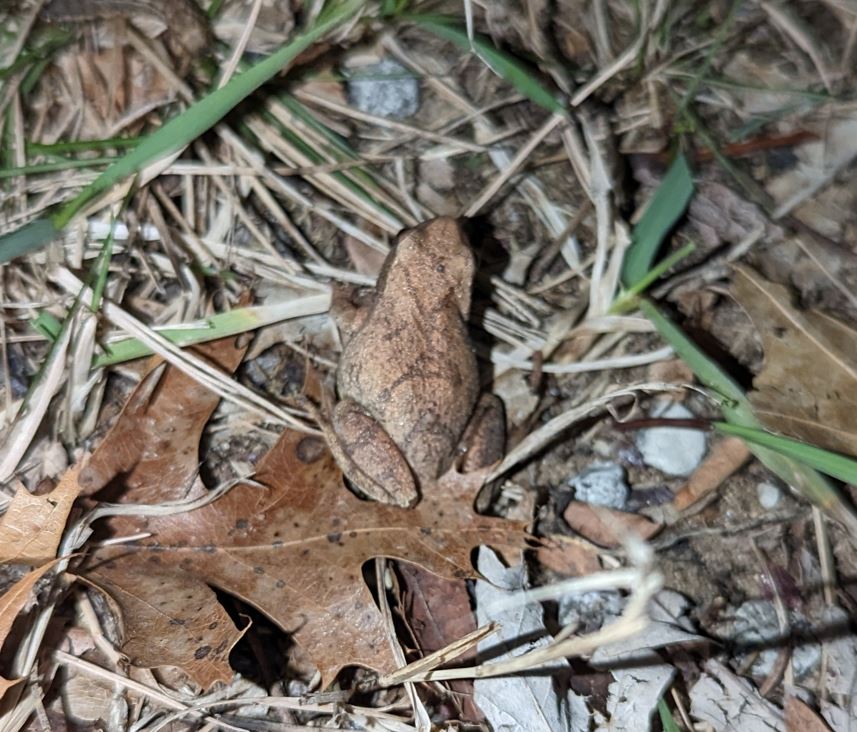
x=769, y=495
x=602, y=484
x=18, y=370
x=269, y=360
x=754, y=623
x=672, y=450
x=385, y=89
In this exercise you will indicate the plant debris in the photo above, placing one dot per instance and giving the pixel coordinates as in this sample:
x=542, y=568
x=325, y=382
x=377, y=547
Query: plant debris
x=660, y=206
x=290, y=545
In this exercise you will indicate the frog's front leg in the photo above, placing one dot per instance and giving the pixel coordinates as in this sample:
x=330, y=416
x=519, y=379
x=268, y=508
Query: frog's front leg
x=369, y=457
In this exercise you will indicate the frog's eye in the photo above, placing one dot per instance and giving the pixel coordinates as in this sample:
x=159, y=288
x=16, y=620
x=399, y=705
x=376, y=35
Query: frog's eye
x=440, y=268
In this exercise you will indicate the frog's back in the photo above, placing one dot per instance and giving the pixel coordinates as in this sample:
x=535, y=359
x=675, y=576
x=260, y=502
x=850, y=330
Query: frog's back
x=410, y=364
x=414, y=371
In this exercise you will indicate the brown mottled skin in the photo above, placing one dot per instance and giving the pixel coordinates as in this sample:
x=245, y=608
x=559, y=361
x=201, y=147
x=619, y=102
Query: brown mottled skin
x=407, y=379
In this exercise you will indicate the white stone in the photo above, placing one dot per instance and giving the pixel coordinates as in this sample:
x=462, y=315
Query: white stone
x=385, y=89
x=755, y=622
x=601, y=484
x=769, y=495
x=672, y=450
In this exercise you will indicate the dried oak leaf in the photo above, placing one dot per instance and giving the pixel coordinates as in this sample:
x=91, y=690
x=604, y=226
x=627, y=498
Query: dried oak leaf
x=12, y=602
x=808, y=386
x=293, y=549
x=438, y=613
x=32, y=527
x=30, y=533
x=152, y=450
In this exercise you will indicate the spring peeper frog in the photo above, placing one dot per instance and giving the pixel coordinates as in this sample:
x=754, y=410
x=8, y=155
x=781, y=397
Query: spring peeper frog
x=407, y=381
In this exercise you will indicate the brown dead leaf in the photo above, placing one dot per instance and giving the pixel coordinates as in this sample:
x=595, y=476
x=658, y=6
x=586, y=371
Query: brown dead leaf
x=32, y=527
x=12, y=602
x=154, y=443
x=808, y=386
x=293, y=549
x=724, y=458
x=438, y=613
x=800, y=718
x=607, y=526
x=569, y=555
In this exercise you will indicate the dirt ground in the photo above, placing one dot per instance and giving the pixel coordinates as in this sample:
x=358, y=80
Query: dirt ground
x=552, y=133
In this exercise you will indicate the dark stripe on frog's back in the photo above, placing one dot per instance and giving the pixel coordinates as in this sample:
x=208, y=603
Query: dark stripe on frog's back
x=418, y=377
x=399, y=332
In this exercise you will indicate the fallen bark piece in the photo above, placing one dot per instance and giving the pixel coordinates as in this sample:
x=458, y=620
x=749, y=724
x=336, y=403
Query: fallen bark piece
x=607, y=527
x=725, y=457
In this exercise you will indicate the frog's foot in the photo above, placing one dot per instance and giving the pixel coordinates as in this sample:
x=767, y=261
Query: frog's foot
x=369, y=457
x=484, y=437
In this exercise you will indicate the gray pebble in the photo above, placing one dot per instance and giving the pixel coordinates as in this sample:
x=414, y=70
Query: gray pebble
x=385, y=89
x=769, y=495
x=672, y=450
x=602, y=484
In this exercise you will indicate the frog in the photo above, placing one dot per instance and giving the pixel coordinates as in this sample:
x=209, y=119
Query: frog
x=408, y=391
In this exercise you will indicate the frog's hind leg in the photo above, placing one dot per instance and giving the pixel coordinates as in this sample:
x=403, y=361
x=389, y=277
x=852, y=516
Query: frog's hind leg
x=369, y=457
x=484, y=439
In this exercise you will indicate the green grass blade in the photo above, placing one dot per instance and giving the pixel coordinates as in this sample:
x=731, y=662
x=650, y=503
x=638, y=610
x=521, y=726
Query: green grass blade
x=830, y=463
x=667, y=721
x=627, y=300
x=221, y=325
x=506, y=66
x=72, y=146
x=28, y=238
x=53, y=167
x=184, y=128
x=738, y=411
x=47, y=325
x=101, y=269
x=665, y=208
x=707, y=371
x=101, y=266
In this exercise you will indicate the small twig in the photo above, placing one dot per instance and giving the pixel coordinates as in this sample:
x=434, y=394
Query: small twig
x=633, y=425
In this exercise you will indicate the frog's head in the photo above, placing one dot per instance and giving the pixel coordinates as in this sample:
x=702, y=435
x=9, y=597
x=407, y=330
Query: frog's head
x=434, y=257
